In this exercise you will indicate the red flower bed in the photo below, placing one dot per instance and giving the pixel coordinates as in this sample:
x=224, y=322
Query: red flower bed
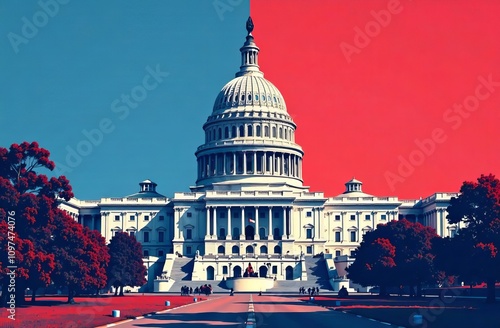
x=89, y=311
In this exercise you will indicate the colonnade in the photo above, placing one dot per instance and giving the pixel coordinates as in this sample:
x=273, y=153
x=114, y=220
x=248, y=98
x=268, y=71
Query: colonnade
x=250, y=162
x=235, y=222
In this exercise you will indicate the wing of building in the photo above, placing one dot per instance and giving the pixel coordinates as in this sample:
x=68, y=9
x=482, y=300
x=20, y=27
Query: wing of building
x=249, y=204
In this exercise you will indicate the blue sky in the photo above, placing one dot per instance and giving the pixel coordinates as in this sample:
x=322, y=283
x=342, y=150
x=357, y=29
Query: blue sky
x=117, y=91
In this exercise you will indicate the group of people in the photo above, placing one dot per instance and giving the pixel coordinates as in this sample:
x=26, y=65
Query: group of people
x=249, y=272
x=310, y=291
x=205, y=289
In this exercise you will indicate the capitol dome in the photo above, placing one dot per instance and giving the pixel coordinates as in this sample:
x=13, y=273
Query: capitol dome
x=249, y=136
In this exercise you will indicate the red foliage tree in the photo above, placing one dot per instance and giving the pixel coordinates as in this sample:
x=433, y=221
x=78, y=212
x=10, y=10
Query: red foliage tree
x=81, y=256
x=374, y=264
x=32, y=198
x=413, y=257
x=478, y=206
x=126, y=267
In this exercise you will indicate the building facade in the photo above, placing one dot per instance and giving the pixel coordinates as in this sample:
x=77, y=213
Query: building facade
x=249, y=200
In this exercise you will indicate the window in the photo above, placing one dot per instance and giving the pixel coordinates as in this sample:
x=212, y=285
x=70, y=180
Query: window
x=275, y=269
x=308, y=214
x=353, y=217
x=353, y=253
x=337, y=217
x=162, y=218
x=226, y=132
x=132, y=233
x=146, y=253
x=188, y=250
x=160, y=253
x=117, y=218
x=161, y=236
x=189, y=234
x=337, y=236
x=132, y=218
x=383, y=217
x=309, y=233
x=309, y=249
x=189, y=214
x=353, y=236
x=224, y=269
x=367, y=217
x=146, y=236
x=338, y=253
x=146, y=217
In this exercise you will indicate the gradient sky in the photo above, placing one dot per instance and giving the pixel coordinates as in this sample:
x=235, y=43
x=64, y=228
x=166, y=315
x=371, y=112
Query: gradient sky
x=361, y=113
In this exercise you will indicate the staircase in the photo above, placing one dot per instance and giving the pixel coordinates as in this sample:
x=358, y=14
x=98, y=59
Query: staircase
x=182, y=270
x=317, y=274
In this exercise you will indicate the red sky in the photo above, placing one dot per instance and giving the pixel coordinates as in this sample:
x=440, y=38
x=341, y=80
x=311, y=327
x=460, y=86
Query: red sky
x=362, y=113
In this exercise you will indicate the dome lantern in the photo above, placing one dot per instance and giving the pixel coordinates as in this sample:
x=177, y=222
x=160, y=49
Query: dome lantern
x=249, y=54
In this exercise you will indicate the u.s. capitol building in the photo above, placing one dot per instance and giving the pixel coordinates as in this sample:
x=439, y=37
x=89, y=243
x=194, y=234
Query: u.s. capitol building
x=249, y=203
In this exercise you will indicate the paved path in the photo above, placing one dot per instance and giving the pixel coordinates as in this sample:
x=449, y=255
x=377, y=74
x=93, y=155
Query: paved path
x=270, y=311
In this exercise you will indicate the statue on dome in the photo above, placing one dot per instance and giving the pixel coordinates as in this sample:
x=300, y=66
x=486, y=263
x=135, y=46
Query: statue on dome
x=249, y=25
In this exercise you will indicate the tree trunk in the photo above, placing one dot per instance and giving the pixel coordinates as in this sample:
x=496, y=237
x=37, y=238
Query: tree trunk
x=20, y=290
x=121, y=290
x=419, y=290
x=490, y=286
x=116, y=290
x=71, y=299
x=33, y=294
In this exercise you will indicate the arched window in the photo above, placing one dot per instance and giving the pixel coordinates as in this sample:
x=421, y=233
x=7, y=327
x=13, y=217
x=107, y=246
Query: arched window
x=263, y=249
x=281, y=133
x=235, y=250
x=250, y=130
x=262, y=232
x=221, y=250
x=277, y=249
x=219, y=135
x=242, y=131
x=236, y=232
x=274, y=132
x=226, y=132
x=213, y=134
x=233, y=132
x=222, y=233
x=257, y=131
x=286, y=134
x=249, y=249
x=266, y=131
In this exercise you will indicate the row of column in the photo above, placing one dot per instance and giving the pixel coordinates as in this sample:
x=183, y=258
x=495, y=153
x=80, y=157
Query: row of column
x=250, y=162
x=246, y=213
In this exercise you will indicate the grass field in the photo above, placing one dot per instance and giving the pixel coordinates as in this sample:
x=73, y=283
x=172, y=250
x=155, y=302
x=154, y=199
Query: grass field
x=447, y=312
x=54, y=312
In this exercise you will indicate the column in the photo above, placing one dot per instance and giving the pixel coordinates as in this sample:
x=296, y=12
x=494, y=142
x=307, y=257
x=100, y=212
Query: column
x=242, y=231
x=255, y=163
x=273, y=163
x=208, y=223
x=319, y=222
x=224, y=163
x=229, y=229
x=256, y=237
x=214, y=222
x=284, y=223
x=244, y=162
x=234, y=163
x=177, y=222
x=270, y=229
x=290, y=223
